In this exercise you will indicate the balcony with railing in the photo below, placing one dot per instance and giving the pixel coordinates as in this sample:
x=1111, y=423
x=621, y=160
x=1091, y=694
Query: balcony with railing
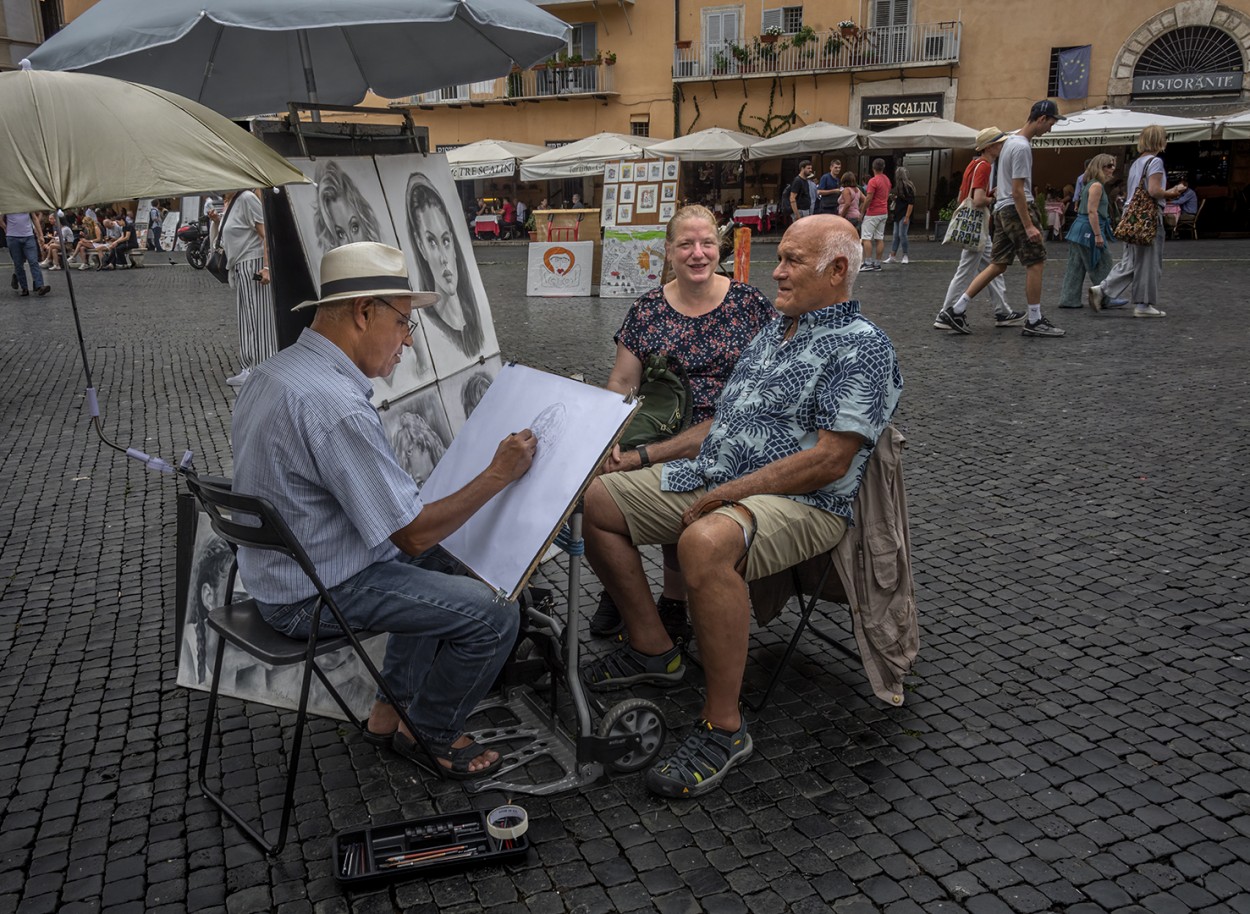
x=554, y=80
x=917, y=44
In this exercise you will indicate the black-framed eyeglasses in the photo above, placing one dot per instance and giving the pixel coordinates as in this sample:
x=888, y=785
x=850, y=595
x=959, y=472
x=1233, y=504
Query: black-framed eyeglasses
x=413, y=327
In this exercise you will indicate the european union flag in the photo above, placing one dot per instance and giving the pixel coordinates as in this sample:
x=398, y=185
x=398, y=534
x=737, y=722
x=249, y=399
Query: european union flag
x=1074, y=72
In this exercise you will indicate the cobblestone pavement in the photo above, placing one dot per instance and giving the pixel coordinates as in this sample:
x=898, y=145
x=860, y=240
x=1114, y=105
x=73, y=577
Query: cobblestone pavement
x=1074, y=738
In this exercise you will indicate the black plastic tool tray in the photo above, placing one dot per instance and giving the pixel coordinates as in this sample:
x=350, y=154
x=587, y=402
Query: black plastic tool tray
x=362, y=855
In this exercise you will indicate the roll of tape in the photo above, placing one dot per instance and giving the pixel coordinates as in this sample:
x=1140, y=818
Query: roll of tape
x=507, y=823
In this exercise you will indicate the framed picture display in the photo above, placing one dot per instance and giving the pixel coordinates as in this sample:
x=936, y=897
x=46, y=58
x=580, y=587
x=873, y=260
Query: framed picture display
x=627, y=194
x=655, y=172
x=667, y=210
x=607, y=215
x=611, y=173
x=624, y=213
x=627, y=171
x=668, y=192
x=609, y=195
x=670, y=170
x=648, y=198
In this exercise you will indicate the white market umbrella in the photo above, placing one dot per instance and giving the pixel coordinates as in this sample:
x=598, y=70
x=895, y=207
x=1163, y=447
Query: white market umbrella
x=715, y=144
x=246, y=57
x=1105, y=126
x=926, y=133
x=1236, y=127
x=820, y=136
x=489, y=158
x=68, y=139
x=585, y=157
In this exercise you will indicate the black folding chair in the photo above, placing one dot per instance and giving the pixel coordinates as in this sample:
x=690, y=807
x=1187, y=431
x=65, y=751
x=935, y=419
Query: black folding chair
x=245, y=520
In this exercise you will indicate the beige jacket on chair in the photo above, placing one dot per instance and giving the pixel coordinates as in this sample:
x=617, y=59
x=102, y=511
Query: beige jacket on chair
x=873, y=564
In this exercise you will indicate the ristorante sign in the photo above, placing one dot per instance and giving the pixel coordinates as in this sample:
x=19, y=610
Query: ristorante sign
x=1187, y=83
x=900, y=108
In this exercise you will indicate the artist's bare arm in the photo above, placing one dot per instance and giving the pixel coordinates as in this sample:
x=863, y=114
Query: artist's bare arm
x=1022, y=207
x=441, y=518
x=264, y=247
x=803, y=472
x=1095, y=195
x=683, y=444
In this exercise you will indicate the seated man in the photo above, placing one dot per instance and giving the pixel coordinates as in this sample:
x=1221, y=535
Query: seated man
x=768, y=482
x=307, y=439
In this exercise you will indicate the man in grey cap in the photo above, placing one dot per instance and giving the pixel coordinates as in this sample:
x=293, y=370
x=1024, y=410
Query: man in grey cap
x=307, y=438
x=1017, y=225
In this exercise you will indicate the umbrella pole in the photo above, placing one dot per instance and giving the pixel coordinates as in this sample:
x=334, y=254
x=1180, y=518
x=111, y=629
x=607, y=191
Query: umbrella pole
x=93, y=404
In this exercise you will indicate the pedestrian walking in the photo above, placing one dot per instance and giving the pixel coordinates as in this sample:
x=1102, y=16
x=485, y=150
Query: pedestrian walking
x=904, y=203
x=1017, y=226
x=829, y=188
x=876, y=212
x=1135, y=277
x=242, y=234
x=800, y=191
x=1087, y=239
x=976, y=183
x=26, y=249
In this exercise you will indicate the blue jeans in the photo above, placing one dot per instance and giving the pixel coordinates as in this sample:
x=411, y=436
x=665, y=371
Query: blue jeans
x=449, y=634
x=900, y=236
x=26, y=250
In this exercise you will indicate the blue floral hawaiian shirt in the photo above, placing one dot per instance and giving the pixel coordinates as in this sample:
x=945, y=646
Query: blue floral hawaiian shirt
x=839, y=372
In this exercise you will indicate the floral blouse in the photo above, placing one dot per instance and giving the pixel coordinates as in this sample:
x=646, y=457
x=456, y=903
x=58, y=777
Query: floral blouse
x=707, y=346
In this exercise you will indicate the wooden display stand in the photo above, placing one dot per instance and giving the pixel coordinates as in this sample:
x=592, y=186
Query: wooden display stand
x=556, y=225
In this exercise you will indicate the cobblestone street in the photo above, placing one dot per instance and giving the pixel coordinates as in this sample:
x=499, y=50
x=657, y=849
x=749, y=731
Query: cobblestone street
x=1075, y=737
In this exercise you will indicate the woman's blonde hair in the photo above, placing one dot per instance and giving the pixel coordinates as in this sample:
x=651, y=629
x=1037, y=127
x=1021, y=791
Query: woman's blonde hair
x=1093, y=171
x=690, y=211
x=1152, y=140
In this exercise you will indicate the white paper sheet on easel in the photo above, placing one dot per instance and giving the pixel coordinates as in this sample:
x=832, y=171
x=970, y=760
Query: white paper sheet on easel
x=575, y=424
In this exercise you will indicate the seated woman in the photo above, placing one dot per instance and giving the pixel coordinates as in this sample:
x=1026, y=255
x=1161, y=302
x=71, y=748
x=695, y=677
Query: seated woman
x=87, y=240
x=702, y=320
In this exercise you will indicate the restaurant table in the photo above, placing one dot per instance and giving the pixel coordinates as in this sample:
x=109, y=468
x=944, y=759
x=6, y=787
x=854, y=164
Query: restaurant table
x=487, y=224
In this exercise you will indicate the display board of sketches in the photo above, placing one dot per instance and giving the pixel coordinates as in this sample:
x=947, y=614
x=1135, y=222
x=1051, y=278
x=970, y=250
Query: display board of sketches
x=169, y=229
x=635, y=192
x=576, y=424
x=418, y=430
x=242, y=675
x=346, y=204
x=562, y=268
x=633, y=261
x=429, y=221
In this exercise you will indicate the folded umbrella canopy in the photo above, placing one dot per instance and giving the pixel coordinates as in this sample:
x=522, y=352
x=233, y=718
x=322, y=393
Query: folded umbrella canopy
x=69, y=139
x=244, y=57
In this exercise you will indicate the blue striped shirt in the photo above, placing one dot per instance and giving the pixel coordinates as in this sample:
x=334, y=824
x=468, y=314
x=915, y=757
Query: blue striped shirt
x=307, y=438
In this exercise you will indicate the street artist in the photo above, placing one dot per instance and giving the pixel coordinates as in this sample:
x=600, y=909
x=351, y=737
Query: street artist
x=766, y=483
x=307, y=439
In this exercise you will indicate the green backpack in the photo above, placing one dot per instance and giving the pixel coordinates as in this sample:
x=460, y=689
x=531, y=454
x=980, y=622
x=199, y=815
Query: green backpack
x=666, y=403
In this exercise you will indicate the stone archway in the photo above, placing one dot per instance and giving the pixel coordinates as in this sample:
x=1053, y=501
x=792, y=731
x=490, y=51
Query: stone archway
x=1187, y=13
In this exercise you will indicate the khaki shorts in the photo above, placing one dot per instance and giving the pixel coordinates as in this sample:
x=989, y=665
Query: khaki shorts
x=789, y=531
x=874, y=228
x=1010, y=240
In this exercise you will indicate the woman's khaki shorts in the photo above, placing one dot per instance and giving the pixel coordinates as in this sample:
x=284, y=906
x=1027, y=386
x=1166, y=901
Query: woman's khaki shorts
x=789, y=531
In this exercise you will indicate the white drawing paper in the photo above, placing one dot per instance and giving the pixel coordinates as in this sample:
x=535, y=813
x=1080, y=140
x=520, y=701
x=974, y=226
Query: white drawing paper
x=575, y=424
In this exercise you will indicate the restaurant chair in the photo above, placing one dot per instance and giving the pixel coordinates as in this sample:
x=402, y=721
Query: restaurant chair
x=1190, y=224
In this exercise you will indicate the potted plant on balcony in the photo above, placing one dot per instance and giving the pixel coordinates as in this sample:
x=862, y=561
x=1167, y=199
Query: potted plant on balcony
x=740, y=54
x=770, y=34
x=720, y=62
x=833, y=44
x=848, y=28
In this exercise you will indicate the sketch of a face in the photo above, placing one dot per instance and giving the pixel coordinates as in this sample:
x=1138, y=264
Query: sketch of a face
x=417, y=447
x=207, y=591
x=343, y=215
x=474, y=389
x=442, y=266
x=548, y=428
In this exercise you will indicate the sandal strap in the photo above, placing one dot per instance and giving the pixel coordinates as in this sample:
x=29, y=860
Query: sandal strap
x=617, y=664
x=702, y=755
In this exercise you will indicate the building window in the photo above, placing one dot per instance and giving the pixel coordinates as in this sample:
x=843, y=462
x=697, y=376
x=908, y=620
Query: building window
x=887, y=13
x=640, y=125
x=787, y=18
x=1052, y=75
x=1195, y=49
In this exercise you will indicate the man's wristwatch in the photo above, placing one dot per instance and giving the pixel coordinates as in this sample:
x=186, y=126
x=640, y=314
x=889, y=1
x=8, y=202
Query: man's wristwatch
x=644, y=460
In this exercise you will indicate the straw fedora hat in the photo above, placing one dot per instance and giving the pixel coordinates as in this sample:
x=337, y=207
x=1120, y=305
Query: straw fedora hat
x=364, y=269
x=988, y=137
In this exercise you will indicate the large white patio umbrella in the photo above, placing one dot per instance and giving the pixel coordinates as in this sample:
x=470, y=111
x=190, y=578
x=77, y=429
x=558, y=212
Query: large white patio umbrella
x=1105, y=126
x=926, y=133
x=715, y=144
x=585, y=157
x=246, y=57
x=820, y=136
x=1236, y=127
x=68, y=139
x=489, y=158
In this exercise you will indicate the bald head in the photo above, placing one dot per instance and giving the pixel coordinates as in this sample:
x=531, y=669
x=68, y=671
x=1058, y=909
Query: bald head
x=818, y=260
